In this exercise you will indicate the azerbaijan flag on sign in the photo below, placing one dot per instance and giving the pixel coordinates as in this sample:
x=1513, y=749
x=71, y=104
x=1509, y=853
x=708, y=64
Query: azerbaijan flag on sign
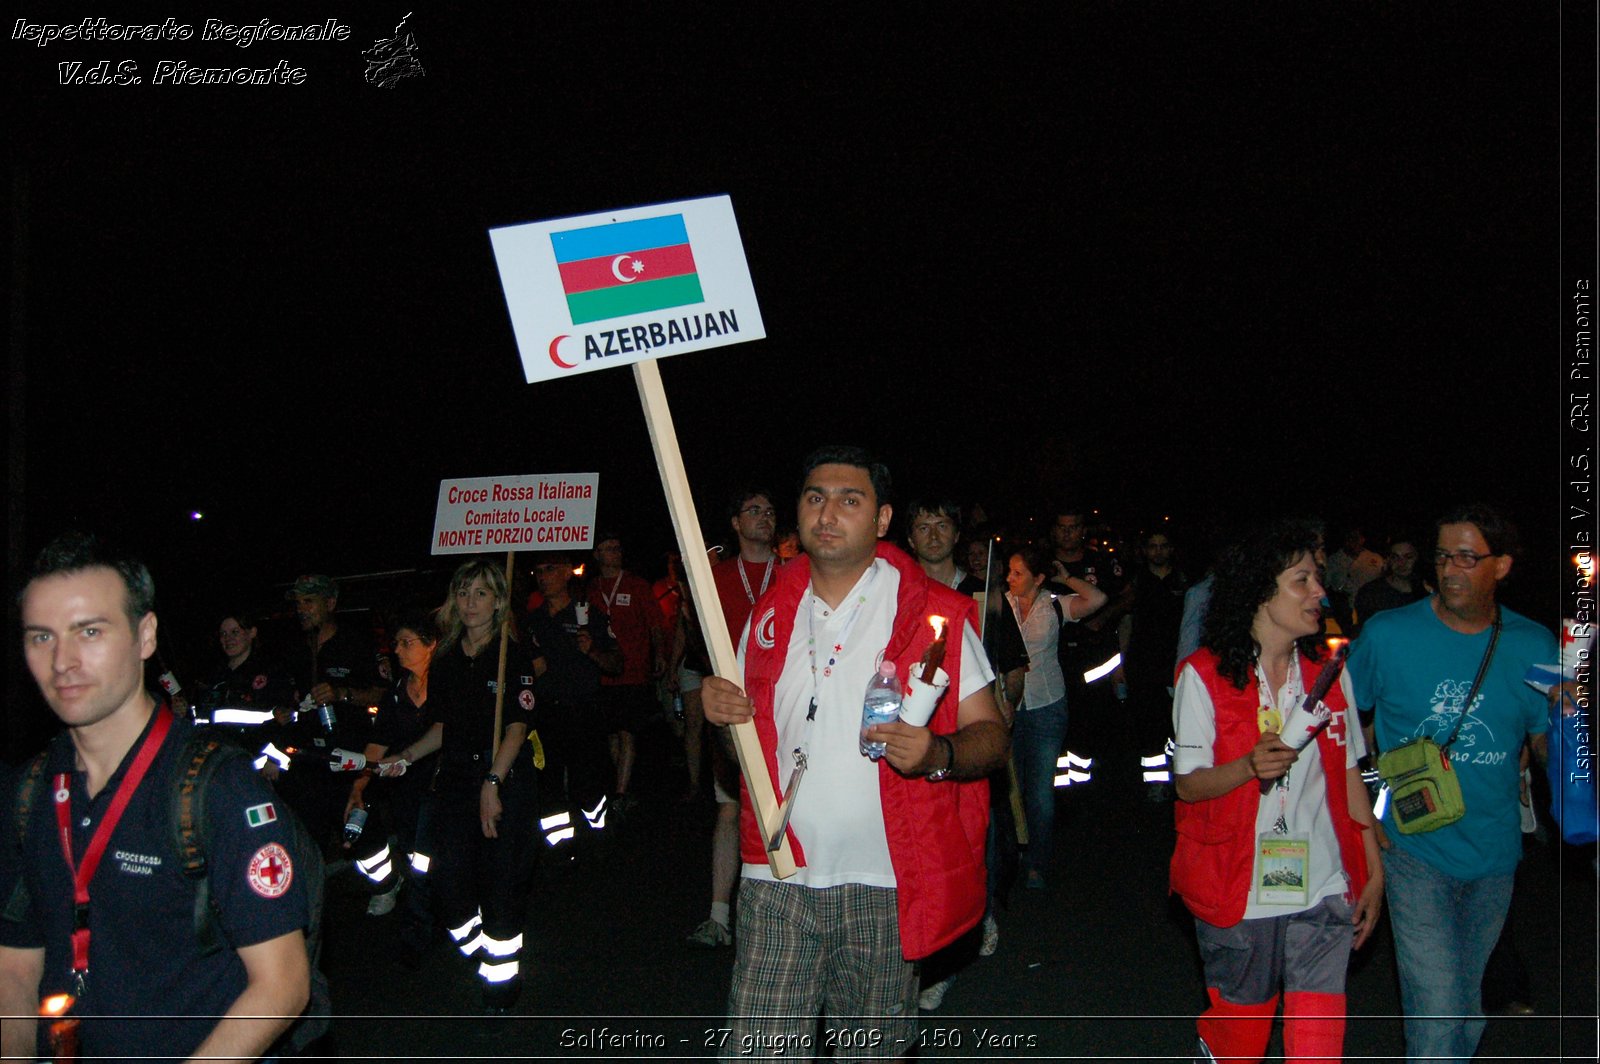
x=608, y=271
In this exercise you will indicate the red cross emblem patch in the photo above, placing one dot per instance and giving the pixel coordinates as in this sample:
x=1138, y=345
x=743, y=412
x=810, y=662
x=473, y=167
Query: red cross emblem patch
x=270, y=871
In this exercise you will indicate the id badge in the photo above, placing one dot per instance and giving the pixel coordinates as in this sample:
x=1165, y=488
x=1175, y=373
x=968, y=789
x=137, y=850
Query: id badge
x=1283, y=870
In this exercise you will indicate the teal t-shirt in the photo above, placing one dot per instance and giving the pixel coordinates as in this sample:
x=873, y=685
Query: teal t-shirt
x=1415, y=672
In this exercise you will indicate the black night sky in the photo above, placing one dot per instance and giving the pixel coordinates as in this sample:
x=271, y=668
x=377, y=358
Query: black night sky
x=1175, y=259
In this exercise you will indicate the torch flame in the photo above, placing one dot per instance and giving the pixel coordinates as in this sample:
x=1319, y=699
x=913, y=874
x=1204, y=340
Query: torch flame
x=938, y=626
x=577, y=571
x=1334, y=643
x=55, y=1005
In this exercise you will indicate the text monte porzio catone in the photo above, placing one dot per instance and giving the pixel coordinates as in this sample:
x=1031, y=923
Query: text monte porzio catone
x=536, y=512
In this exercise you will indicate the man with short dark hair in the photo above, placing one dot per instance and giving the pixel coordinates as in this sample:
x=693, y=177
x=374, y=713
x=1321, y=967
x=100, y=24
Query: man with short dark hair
x=1449, y=889
x=101, y=831
x=932, y=534
x=890, y=854
x=338, y=666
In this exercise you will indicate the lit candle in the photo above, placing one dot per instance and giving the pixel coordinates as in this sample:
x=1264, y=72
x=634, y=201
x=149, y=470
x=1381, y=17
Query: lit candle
x=63, y=1029
x=933, y=657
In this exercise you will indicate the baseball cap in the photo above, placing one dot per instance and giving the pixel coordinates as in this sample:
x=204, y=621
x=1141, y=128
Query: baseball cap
x=313, y=584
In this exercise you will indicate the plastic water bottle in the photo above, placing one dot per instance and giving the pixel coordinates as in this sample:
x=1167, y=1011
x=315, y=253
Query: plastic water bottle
x=881, y=706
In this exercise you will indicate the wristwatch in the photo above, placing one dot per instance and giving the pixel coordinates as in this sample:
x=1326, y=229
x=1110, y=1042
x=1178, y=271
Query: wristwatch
x=491, y=778
x=939, y=774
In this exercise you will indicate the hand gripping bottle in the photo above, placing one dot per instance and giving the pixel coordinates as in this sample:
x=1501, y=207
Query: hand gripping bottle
x=881, y=705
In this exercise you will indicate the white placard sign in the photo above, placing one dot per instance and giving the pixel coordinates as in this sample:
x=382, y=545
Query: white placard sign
x=601, y=290
x=547, y=511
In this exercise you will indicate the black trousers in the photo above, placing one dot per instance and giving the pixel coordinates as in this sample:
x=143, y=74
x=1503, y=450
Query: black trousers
x=474, y=876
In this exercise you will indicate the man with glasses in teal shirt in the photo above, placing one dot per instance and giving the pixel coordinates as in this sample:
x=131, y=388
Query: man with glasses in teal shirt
x=1449, y=889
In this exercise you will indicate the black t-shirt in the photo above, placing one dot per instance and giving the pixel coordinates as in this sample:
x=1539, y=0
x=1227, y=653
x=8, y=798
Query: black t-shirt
x=256, y=681
x=1105, y=573
x=153, y=993
x=1378, y=595
x=348, y=659
x=461, y=692
x=572, y=676
x=400, y=721
x=1157, y=615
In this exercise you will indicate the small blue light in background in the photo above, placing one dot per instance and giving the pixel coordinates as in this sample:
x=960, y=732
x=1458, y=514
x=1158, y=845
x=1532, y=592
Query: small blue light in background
x=196, y=515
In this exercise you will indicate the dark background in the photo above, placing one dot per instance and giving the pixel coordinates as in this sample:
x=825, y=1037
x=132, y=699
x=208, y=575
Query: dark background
x=1180, y=262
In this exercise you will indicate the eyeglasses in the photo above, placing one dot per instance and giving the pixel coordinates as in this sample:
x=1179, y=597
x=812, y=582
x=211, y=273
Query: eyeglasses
x=1401, y=556
x=410, y=641
x=1464, y=559
x=759, y=511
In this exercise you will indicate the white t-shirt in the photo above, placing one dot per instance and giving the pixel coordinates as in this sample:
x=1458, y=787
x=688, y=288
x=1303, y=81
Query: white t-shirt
x=1303, y=804
x=838, y=813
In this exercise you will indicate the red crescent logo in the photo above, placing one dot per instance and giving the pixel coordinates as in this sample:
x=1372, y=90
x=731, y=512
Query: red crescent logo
x=766, y=629
x=557, y=358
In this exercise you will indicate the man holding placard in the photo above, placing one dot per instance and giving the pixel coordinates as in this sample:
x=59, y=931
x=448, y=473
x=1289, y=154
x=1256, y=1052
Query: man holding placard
x=890, y=854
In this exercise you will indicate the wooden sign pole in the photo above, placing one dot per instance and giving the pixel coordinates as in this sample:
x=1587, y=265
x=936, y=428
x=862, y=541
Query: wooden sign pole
x=724, y=662
x=500, y=675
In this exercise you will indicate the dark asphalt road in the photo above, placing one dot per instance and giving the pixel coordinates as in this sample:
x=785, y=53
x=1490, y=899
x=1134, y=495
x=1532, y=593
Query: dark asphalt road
x=1101, y=966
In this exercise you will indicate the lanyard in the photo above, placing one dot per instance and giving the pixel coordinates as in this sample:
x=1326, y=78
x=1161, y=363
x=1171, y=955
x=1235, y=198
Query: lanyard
x=1293, y=687
x=838, y=648
x=802, y=752
x=766, y=578
x=82, y=874
x=609, y=595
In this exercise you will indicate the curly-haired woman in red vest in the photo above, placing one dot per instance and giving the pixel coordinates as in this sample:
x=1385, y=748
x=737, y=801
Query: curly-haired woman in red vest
x=1275, y=855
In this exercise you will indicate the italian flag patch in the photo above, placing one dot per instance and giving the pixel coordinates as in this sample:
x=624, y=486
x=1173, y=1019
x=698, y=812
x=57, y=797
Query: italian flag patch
x=257, y=815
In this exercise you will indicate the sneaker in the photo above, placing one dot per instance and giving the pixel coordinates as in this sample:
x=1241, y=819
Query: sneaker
x=991, y=937
x=933, y=996
x=383, y=904
x=710, y=935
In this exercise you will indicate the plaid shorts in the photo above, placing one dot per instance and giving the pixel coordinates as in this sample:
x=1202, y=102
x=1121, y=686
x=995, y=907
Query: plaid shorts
x=832, y=952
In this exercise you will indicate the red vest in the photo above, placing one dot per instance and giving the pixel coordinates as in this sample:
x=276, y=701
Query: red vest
x=935, y=831
x=1212, y=863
